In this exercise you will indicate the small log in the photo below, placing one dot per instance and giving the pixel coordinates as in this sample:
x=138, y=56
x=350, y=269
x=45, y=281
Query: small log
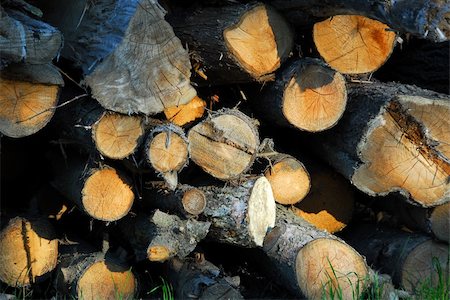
x=129, y=70
x=239, y=215
x=236, y=43
x=161, y=236
x=29, y=94
x=225, y=144
x=392, y=140
x=101, y=192
x=185, y=113
x=307, y=95
x=313, y=263
x=409, y=258
x=198, y=278
x=85, y=274
x=422, y=18
x=166, y=150
x=354, y=44
x=29, y=251
x=26, y=39
x=330, y=203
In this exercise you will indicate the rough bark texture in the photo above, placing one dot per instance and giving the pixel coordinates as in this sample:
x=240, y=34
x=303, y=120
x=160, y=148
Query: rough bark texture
x=399, y=253
x=25, y=39
x=161, y=236
x=310, y=77
x=422, y=18
x=198, y=278
x=414, y=125
x=283, y=245
x=202, y=29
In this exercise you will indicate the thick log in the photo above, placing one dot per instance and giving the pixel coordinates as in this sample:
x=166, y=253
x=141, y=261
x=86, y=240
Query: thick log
x=26, y=39
x=237, y=43
x=100, y=191
x=392, y=138
x=29, y=94
x=353, y=44
x=225, y=144
x=410, y=259
x=166, y=150
x=130, y=70
x=330, y=203
x=86, y=274
x=313, y=263
x=239, y=215
x=198, y=278
x=28, y=251
x=422, y=18
x=161, y=236
x=307, y=95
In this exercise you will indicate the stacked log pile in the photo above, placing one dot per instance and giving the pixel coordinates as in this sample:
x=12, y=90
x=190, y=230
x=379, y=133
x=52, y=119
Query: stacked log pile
x=141, y=132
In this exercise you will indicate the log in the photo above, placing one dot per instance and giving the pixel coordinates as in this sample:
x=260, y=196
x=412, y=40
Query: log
x=28, y=251
x=239, y=215
x=25, y=39
x=185, y=113
x=312, y=263
x=166, y=150
x=198, y=278
x=29, y=94
x=160, y=236
x=86, y=274
x=307, y=95
x=236, y=43
x=225, y=144
x=129, y=70
x=330, y=203
x=422, y=18
x=392, y=139
x=409, y=258
x=353, y=44
x=100, y=191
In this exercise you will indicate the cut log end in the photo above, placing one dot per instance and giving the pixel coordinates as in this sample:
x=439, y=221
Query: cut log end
x=116, y=136
x=289, y=180
x=261, y=210
x=405, y=152
x=353, y=44
x=158, y=253
x=28, y=250
x=183, y=114
x=106, y=280
x=225, y=145
x=421, y=263
x=326, y=265
x=260, y=41
x=315, y=99
x=106, y=196
x=440, y=224
x=194, y=201
x=167, y=152
x=25, y=107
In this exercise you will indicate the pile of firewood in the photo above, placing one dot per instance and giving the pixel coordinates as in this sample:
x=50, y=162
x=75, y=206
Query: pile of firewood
x=169, y=125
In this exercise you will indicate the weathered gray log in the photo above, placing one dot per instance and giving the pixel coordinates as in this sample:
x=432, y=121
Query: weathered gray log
x=392, y=139
x=84, y=273
x=25, y=39
x=310, y=262
x=198, y=278
x=411, y=259
x=237, y=43
x=422, y=18
x=129, y=70
x=307, y=95
x=160, y=236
